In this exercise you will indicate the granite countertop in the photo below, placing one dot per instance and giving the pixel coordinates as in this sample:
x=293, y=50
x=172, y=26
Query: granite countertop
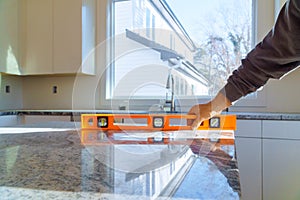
x=240, y=115
x=267, y=116
x=51, y=162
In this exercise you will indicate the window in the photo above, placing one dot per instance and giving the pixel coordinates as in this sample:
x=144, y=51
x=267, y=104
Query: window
x=199, y=46
x=148, y=22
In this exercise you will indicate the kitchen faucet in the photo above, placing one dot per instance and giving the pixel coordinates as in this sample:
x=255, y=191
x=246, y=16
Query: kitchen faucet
x=170, y=100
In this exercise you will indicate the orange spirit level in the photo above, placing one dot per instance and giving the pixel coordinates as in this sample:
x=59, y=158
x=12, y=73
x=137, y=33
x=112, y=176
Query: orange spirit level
x=163, y=122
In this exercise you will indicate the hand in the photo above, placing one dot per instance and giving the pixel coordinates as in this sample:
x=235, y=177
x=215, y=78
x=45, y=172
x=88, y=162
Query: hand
x=202, y=112
x=208, y=110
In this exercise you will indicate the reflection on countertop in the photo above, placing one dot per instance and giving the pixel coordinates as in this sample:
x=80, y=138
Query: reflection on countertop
x=53, y=163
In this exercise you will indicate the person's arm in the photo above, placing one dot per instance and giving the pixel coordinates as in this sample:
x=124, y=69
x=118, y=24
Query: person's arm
x=277, y=54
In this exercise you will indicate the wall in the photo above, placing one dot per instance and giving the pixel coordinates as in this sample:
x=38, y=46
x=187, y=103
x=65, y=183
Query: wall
x=13, y=99
x=38, y=92
x=277, y=95
x=282, y=95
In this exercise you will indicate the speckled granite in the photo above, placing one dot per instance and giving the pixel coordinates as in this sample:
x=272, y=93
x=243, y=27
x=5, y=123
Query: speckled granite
x=3, y=113
x=258, y=116
x=268, y=116
x=53, y=164
x=77, y=113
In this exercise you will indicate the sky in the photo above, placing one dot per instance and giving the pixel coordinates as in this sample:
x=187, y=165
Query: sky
x=197, y=13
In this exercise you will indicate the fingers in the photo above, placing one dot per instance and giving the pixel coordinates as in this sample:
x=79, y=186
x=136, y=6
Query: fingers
x=194, y=123
x=192, y=112
x=190, y=121
x=202, y=112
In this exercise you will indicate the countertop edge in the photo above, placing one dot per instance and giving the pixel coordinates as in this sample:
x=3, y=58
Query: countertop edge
x=239, y=115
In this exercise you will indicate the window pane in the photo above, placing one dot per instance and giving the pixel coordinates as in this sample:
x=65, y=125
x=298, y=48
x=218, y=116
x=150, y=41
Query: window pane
x=199, y=45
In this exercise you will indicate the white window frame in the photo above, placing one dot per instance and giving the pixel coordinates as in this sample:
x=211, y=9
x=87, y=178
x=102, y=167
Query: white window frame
x=186, y=103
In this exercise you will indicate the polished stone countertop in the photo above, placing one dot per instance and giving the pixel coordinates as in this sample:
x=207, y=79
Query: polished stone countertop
x=267, y=116
x=51, y=161
x=76, y=113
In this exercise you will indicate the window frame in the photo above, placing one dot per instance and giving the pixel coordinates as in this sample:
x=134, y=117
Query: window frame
x=107, y=81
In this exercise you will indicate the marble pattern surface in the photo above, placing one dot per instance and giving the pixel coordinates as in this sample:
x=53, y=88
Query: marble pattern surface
x=77, y=113
x=48, y=161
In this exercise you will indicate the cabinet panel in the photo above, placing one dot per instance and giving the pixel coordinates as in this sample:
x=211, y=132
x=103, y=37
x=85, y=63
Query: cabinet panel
x=249, y=159
x=248, y=128
x=281, y=129
x=88, y=36
x=52, y=40
x=67, y=32
x=281, y=169
x=9, y=43
x=39, y=37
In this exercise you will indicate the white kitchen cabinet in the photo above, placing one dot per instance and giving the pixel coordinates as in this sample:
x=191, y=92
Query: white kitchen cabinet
x=57, y=36
x=268, y=159
x=38, y=44
x=67, y=36
x=74, y=35
x=249, y=163
x=9, y=36
x=281, y=169
x=281, y=129
x=249, y=128
x=249, y=158
x=281, y=160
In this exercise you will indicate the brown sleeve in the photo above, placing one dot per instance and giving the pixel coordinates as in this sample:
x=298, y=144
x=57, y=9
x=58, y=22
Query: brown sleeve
x=277, y=54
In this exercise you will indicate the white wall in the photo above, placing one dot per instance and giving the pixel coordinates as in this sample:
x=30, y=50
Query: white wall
x=38, y=92
x=13, y=99
x=282, y=95
x=277, y=95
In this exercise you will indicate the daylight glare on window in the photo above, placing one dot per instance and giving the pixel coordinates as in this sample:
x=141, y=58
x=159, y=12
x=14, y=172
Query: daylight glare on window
x=221, y=30
x=199, y=43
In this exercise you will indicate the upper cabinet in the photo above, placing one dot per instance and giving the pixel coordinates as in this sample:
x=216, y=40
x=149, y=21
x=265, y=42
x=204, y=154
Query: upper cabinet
x=9, y=37
x=37, y=26
x=47, y=36
x=67, y=35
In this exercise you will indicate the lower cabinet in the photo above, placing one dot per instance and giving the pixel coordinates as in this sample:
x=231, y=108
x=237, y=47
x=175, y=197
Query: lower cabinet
x=269, y=159
x=249, y=162
x=281, y=160
x=249, y=156
x=281, y=169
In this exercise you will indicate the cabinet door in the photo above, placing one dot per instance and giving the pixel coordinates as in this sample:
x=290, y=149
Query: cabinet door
x=249, y=155
x=281, y=129
x=248, y=151
x=248, y=128
x=281, y=169
x=39, y=37
x=9, y=44
x=67, y=34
